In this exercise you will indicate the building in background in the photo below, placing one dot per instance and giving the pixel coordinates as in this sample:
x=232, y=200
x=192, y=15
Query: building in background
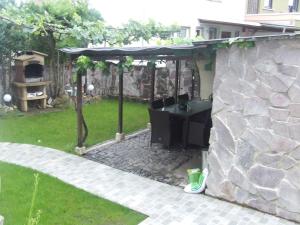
x=211, y=13
x=213, y=29
x=261, y=17
x=183, y=13
x=278, y=12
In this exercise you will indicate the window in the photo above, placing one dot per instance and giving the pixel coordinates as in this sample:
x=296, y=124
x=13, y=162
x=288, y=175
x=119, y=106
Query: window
x=183, y=33
x=268, y=4
x=225, y=34
x=236, y=34
x=212, y=33
x=293, y=5
x=253, y=7
x=199, y=31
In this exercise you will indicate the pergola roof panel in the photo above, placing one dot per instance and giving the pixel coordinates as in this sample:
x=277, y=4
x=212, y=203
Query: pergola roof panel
x=136, y=52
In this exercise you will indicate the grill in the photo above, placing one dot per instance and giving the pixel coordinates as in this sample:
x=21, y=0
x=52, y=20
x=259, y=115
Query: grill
x=29, y=83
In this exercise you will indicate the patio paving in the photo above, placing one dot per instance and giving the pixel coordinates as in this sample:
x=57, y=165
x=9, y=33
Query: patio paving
x=135, y=155
x=163, y=203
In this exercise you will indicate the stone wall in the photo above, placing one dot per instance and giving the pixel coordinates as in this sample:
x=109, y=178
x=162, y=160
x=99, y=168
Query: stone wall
x=137, y=81
x=254, y=157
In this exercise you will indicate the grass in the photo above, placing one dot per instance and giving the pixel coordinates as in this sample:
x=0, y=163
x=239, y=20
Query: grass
x=58, y=129
x=60, y=203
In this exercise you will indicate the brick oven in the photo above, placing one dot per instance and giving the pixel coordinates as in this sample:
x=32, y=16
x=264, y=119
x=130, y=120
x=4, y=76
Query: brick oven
x=29, y=83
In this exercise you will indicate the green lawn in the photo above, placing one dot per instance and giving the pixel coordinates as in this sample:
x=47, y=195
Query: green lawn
x=58, y=129
x=60, y=203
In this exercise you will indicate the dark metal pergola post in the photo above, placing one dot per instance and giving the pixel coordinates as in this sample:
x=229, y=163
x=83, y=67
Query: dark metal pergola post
x=152, y=86
x=120, y=122
x=193, y=84
x=79, y=111
x=176, y=80
x=119, y=135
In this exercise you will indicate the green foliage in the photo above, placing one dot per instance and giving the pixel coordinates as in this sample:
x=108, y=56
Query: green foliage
x=11, y=38
x=103, y=66
x=127, y=63
x=135, y=31
x=57, y=19
x=83, y=63
x=70, y=23
x=221, y=45
x=246, y=44
x=34, y=220
x=178, y=41
x=54, y=24
x=74, y=23
x=232, y=41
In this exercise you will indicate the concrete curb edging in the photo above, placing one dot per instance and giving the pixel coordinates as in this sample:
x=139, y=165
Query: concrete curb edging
x=1, y=220
x=113, y=141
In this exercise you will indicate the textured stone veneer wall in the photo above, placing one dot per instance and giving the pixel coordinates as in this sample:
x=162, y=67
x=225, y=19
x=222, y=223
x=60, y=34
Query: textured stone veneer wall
x=254, y=157
x=137, y=83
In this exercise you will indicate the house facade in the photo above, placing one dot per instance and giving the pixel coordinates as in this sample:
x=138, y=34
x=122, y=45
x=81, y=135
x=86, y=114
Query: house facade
x=212, y=29
x=279, y=12
x=261, y=17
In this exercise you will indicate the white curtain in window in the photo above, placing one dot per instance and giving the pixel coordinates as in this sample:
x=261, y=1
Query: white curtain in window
x=267, y=3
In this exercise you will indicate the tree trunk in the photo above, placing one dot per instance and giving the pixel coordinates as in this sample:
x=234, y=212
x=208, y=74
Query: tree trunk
x=2, y=75
x=56, y=86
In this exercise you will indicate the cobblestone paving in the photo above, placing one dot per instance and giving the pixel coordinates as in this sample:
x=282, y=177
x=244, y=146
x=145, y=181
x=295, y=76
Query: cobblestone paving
x=136, y=156
x=163, y=203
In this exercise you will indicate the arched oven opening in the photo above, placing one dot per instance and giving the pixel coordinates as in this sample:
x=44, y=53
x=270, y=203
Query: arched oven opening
x=34, y=72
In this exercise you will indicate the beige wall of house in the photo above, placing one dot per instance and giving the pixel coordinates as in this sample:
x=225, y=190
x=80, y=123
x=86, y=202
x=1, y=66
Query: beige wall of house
x=277, y=14
x=206, y=78
x=278, y=6
x=288, y=19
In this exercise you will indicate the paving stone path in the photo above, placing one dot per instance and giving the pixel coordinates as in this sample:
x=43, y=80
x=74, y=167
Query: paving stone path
x=164, y=204
x=135, y=155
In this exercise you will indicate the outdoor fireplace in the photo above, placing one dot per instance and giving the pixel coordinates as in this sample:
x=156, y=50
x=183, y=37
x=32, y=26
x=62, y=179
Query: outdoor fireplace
x=34, y=72
x=29, y=67
x=29, y=83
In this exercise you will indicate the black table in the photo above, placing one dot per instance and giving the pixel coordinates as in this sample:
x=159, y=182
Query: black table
x=194, y=107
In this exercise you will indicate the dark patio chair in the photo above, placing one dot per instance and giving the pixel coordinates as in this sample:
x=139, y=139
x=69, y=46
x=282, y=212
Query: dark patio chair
x=169, y=101
x=161, y=130
x=199, y=129
x=183, y=98
x=196, y=133
x=157, y=104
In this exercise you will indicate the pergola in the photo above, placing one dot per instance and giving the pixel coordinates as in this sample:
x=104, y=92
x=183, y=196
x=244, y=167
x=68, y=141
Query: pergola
x=176, y=53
